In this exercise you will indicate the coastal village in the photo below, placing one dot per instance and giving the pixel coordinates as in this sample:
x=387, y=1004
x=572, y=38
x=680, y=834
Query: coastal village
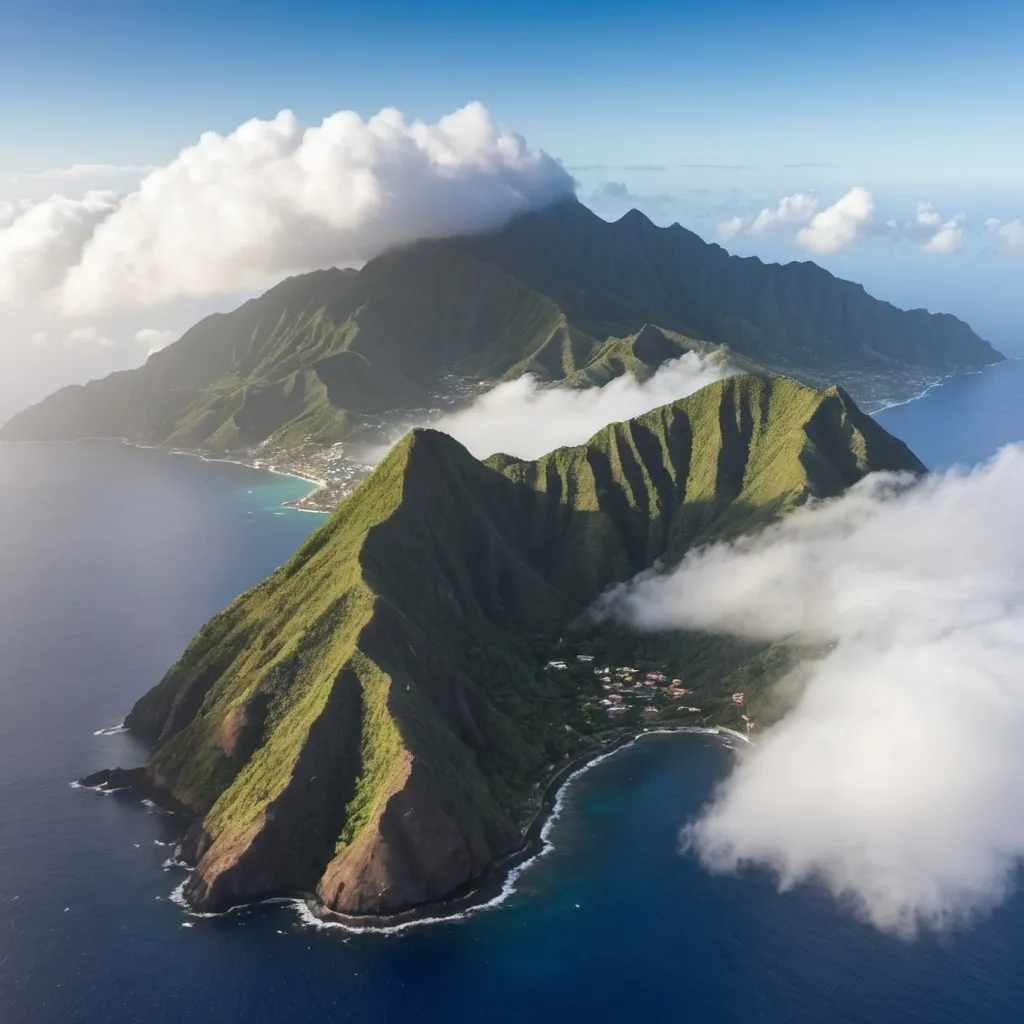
x=620, y=690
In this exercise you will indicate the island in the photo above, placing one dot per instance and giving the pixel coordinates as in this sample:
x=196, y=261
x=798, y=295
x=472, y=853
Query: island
x=326, y=365
x=376, y=726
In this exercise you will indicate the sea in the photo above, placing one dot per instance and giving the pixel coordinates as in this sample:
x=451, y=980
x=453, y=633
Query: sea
x=111, y=557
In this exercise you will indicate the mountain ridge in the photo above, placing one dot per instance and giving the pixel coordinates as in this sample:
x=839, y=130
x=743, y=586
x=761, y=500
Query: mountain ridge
x=374, y=721
x=559, y=293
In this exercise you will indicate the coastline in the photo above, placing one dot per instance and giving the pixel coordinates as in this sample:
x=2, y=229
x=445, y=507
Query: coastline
x=317, y=483
x=497, y=884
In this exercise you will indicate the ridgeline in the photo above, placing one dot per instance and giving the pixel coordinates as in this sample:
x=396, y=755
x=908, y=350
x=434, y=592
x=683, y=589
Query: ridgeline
x=375, y=722
x=559, y=292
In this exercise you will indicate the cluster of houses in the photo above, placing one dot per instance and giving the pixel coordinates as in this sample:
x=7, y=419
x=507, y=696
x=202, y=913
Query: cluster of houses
x=626, y=688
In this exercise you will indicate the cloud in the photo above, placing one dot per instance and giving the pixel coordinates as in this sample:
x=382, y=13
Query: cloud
x=848, y=222
x=732, y=227
x=619, y=167
x=239, y=211
x=39, y=242
x=91, y=171
x=618, y=192
x=840, y=225
x=1010, y=233
x=527, y=419
x=896, y=780
x=90, y=336
x=153, y=339
x=926, y=216
x=720, y=167
x=795, y=209
x=942, y=236
x=949, y=237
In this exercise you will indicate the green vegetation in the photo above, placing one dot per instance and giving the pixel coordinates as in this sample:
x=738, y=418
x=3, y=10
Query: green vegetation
x=377, y=719
x=559, y=293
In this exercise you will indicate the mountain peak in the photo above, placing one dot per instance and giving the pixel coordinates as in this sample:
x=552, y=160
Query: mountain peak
x=556, y=292
x=374, y=721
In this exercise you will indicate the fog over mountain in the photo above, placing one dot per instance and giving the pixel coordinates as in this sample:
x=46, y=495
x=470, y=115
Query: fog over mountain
x=896, y=779
x=240, y=210
x=525, y=418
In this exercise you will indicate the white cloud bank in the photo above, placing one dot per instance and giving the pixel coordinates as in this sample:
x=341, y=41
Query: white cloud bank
x=1010, y=233
x=40, y=242
x=840, y=225
x=527, y=419
x=241, y=210
x=897, y=779
x=848, y=222
x=795, y=209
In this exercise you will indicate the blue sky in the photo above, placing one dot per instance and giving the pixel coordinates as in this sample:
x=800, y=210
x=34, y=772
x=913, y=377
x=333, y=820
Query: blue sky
x=695, y=112
x=888, y=92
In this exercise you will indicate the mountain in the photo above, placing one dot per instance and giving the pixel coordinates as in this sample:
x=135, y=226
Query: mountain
x=375, y=722
x=559, y=292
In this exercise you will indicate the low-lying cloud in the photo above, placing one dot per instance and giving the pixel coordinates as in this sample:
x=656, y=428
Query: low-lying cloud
x=850, y=221
x=239, y=211
x=1010, y=234
x=526, y=418
x=897, y=779
x=840, y=225
x=795, y=209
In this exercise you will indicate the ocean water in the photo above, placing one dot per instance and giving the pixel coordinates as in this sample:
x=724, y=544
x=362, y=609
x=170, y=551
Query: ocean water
x=110, y=559
x=964, y=419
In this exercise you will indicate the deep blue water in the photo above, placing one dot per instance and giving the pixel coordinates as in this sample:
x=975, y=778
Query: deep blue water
x=965, y=419
x=110, y=559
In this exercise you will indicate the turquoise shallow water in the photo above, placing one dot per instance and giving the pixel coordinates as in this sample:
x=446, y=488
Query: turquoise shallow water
x=112, y=557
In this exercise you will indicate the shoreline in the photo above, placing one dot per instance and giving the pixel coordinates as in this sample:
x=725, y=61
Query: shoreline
x=318, y=484
x=944, y=379
x=499, y=881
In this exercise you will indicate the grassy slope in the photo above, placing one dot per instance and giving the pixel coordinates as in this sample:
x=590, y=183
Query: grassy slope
x=560, y=293
x=374, y=719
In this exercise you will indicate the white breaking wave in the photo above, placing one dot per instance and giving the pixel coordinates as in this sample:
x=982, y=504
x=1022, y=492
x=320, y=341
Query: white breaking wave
x=305, y=913
x=111, y=730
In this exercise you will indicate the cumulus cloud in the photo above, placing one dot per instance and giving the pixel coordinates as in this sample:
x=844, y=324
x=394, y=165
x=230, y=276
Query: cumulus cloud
x=92, y=171
x=948, y=238
x=848, y=222
x=940, y=236
x=731, y=228
x=273, y=197
x=526, y=418
x=89, y=336
x=153, y=339
x=1010, y=233
x=896, y=779
x=618, y=193
x=795, y=209
x=40, y=242
x=926, y=216
x=840, y=225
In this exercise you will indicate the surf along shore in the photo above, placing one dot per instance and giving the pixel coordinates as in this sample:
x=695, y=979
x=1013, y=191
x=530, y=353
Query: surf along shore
x=489, y=890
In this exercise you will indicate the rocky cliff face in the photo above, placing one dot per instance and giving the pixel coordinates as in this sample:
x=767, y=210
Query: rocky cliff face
x=373, y=722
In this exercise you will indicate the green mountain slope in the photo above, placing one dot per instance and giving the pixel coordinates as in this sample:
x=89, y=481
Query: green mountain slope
x=373, y=722
x=560, y=293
